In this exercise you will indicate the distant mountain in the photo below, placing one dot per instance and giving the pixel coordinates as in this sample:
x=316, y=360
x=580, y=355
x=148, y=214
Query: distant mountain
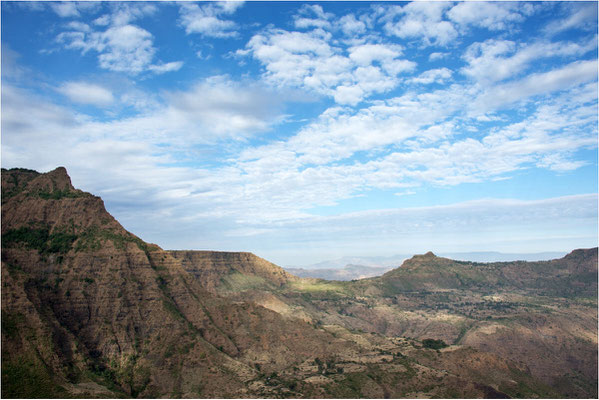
x=398, y=259
x=376, y=261
x=494, y=256
x=346, y=273
x=350, y=268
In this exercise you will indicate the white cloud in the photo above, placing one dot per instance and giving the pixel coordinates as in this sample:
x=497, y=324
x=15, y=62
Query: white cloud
x=125, y=48
x=87, y=93
x=197, y=158
x=206, y=20
x=125, y=13
x=307, y=60
x=78, y=26
x=351, y=26
x=490, y=15
x=496, y=60
x=72, y=9
x=65, y=9
x=120, y=48
x=168, y=67
x=438, y=75
x=25, y=117
x=102, y=21
x=407, y=137
x=437, y=56
x=420, y=20
x=11, y=69
x=223, y=107
x=312, y=16
x=562, y=223
x=581, y=16
x=406, y=193
x=541, y=83
x=365, y=54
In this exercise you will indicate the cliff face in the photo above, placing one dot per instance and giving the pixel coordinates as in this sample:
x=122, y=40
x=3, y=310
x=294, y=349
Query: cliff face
x=215, y=269
x=90, y=308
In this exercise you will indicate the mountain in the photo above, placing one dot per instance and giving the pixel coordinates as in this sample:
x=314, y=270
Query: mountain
x=376, y=261
x=219, y=269
x=542, y=314
x=396, y=260
x=349, y=268
x=346, y=273
x=495, y=256
x=91, y=310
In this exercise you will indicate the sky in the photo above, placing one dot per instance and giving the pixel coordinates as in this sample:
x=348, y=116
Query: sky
x=311, y=131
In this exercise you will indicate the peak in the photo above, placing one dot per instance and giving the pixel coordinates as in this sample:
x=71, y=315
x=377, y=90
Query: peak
x=59, y=171
x=430, y=254
x=581, y=253
x=57, y=179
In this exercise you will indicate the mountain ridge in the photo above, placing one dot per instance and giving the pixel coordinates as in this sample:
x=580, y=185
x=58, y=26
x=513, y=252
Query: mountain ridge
x=91, y=310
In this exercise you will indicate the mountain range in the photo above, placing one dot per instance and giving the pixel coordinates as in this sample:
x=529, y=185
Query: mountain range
x=349, y=268
x=90, y=310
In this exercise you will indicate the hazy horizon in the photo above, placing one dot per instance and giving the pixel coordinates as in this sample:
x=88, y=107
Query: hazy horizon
x=305, y=132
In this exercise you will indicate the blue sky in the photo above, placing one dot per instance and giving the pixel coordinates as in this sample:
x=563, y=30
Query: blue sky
x=310, y=131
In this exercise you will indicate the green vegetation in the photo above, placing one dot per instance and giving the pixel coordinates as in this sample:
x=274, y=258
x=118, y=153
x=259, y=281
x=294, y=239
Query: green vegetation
x=14, y=268
x=26, y=378
x=105, y=377
x=57, y=194
x=11, y=322
x=94, y=237
x=311, y=290
x=40, y=239
x=434, y=344
x=172, y=309
x=238, y=282
x=18, y=185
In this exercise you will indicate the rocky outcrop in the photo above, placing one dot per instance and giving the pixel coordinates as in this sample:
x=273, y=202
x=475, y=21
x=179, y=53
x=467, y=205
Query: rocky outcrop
x=211, y=268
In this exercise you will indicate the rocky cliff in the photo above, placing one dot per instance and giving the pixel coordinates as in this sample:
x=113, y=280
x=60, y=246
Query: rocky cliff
x=91, y=310
x=216, y=270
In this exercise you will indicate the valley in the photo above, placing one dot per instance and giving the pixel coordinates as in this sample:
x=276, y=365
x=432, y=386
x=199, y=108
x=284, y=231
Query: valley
x=91, y=310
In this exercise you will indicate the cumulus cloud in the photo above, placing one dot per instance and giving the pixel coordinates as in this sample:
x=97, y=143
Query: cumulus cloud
x=87, y=93
x=312, y=16
x=437, y=56
x=307, y=60
x=65, y=9
x=351, y=26
x=206, y=19
x=490, y=15
x=121, y=48
x=71, y=9
x=420, y=20
x=437, y=75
